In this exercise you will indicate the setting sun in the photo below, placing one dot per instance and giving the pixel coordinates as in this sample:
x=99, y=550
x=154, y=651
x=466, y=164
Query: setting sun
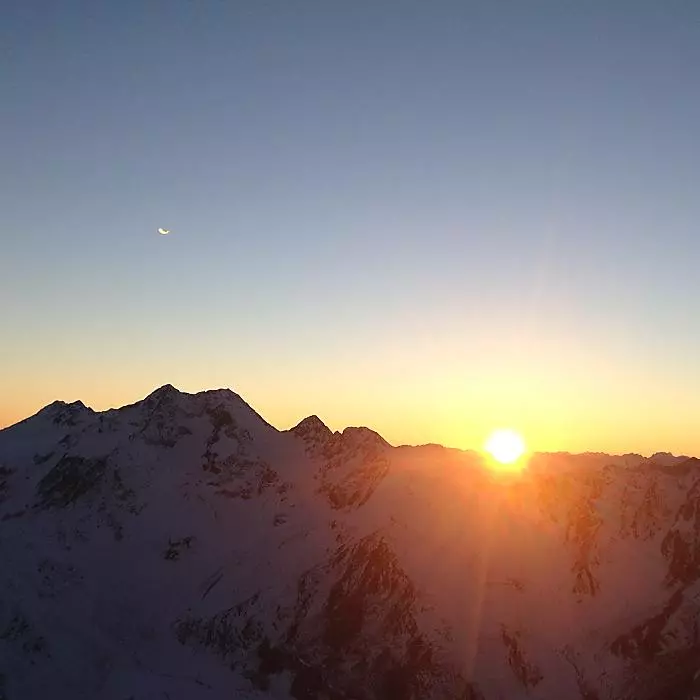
x=505, y=446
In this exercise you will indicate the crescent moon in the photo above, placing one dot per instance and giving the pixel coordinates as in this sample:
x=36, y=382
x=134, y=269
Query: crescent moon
x=164, y=231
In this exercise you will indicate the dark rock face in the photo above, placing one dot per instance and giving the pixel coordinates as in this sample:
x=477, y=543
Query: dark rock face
x=245, y=478
x=5, y=474
x=72, y=478
x=354, y=465
x=176, y=548
x=647, y=639
x=681, y=545
x=227, y=634
x=648, y=519
x=582, y=531
x=370, y=573
x=527, y=673
x=21, y=633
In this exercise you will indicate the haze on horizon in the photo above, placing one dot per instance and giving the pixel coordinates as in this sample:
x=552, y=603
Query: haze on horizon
x=432, y=222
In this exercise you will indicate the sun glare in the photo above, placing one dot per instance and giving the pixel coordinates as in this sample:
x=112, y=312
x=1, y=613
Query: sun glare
x=505, y=446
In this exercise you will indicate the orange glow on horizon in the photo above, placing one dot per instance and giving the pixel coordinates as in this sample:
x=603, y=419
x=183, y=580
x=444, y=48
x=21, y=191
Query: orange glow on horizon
x=452, y=406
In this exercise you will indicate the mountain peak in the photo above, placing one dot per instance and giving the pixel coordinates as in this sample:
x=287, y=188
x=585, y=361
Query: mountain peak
x=364, y=434
x=60, y=412
x=165, y=390
x=165, y=395
x=666, y=458
x=221, y=394
x=311, y=423
x=313, y=431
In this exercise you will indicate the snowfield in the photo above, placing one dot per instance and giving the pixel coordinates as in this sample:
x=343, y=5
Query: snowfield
x=183, y=548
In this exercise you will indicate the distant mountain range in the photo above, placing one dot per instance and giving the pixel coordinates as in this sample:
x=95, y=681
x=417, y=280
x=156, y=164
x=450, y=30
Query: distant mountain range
x=183, y=548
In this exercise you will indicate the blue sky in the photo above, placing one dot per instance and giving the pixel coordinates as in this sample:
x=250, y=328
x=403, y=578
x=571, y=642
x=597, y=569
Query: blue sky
x=352, y=187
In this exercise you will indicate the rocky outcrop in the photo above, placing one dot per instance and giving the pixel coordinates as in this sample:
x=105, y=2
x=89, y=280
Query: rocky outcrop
x=527, y=673
x=72, y=478
x=681, y=545
x=314, y=433
x=354, y=464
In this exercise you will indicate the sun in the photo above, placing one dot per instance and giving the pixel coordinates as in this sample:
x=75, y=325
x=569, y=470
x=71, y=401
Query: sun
x=505, y=446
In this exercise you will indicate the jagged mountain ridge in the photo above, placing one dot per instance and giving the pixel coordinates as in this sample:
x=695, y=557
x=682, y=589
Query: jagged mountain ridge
x=183, y=545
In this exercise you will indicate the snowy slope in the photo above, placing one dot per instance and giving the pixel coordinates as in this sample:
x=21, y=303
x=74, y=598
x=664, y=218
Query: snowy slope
x=182, y=547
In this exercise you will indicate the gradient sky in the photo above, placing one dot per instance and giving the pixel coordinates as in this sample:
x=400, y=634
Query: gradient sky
x=432, y=218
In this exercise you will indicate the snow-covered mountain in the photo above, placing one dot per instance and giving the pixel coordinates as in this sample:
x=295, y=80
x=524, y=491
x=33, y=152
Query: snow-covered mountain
x=182, y=547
